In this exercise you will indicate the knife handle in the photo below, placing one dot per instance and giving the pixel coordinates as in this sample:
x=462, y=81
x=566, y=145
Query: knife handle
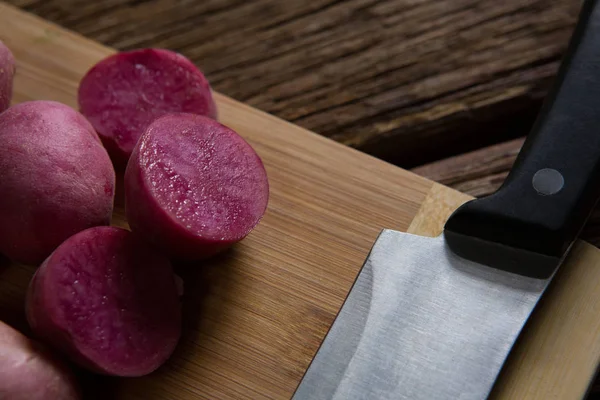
x=555, y=181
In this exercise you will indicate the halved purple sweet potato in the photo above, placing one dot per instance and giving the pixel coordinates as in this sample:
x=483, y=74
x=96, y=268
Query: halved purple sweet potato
x=123, y=93
x=7, y=72
x=30, y=372
x=194, y=187
x=56, y=179
x=107, y=300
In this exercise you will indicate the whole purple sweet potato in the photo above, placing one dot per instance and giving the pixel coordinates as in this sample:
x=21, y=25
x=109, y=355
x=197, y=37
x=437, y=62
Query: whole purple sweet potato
x=123, y=93
x=194, y=187
x=107, y=300
x=29, y=372
x=7, y=72
x=56, y=179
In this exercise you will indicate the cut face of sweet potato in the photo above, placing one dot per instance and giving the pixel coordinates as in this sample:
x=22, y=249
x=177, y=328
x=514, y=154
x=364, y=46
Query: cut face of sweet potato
x=123, y=93
x=194, y=187
x=107, y=300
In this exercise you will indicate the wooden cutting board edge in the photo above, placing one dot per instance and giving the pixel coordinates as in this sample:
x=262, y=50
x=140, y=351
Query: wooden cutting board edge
x=557, y=354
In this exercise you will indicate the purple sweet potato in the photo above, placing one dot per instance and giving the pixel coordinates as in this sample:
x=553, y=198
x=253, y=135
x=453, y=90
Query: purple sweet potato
x=56, y=179
x=30, y=372
x=107, y=300
x=7, y=72
x=194, y=187
x=123, y=93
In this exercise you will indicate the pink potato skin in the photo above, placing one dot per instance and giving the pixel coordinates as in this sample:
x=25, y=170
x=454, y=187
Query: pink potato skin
x=56, y=179
x=30, y=372
x=205, y=162
x=124, y=92
x=108, y=301
x=7, y=72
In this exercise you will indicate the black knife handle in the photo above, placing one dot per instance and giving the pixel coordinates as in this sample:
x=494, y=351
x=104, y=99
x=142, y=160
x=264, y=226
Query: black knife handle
x=555, y=182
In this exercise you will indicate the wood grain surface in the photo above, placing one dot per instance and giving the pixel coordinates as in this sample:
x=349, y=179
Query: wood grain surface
x=409, y=81
x=255, y=316
x=477, y=173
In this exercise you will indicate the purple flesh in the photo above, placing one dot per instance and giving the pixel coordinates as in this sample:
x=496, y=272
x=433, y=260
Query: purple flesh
x=123, y=93
x=109, y=301
x=194, y=187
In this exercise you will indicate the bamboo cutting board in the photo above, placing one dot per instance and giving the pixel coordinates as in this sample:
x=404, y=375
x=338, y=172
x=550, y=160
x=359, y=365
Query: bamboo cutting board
x=255, y=316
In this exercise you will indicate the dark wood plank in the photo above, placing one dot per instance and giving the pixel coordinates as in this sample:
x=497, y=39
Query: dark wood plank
x=478, y=173
x=409, y=81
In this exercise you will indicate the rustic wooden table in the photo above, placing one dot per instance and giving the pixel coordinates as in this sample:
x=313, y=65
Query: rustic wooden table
x=447, y=88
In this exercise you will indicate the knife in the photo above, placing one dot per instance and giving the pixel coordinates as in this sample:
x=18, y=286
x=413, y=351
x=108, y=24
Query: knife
x=435, y=318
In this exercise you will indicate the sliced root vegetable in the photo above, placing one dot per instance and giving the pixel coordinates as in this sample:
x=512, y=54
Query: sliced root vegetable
x=109, y=301
x=7, y=72
x=193, y=187
x=30, y=372
x=123, y=93
x=56, y=179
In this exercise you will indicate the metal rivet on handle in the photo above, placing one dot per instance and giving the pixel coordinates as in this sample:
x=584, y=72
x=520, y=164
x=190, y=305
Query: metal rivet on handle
x=548, y=181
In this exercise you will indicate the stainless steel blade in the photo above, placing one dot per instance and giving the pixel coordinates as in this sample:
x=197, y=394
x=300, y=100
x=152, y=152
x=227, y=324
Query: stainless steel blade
x=421, y=323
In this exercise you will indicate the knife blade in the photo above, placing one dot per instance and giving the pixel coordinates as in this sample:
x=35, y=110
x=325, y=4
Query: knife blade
x=435, y=318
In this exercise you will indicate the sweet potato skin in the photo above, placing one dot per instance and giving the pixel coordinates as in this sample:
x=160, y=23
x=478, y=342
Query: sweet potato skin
x=56, y=179
x=30, y=372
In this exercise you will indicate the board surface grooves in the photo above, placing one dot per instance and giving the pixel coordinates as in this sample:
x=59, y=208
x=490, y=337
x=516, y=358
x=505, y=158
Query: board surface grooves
x=255, y=316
